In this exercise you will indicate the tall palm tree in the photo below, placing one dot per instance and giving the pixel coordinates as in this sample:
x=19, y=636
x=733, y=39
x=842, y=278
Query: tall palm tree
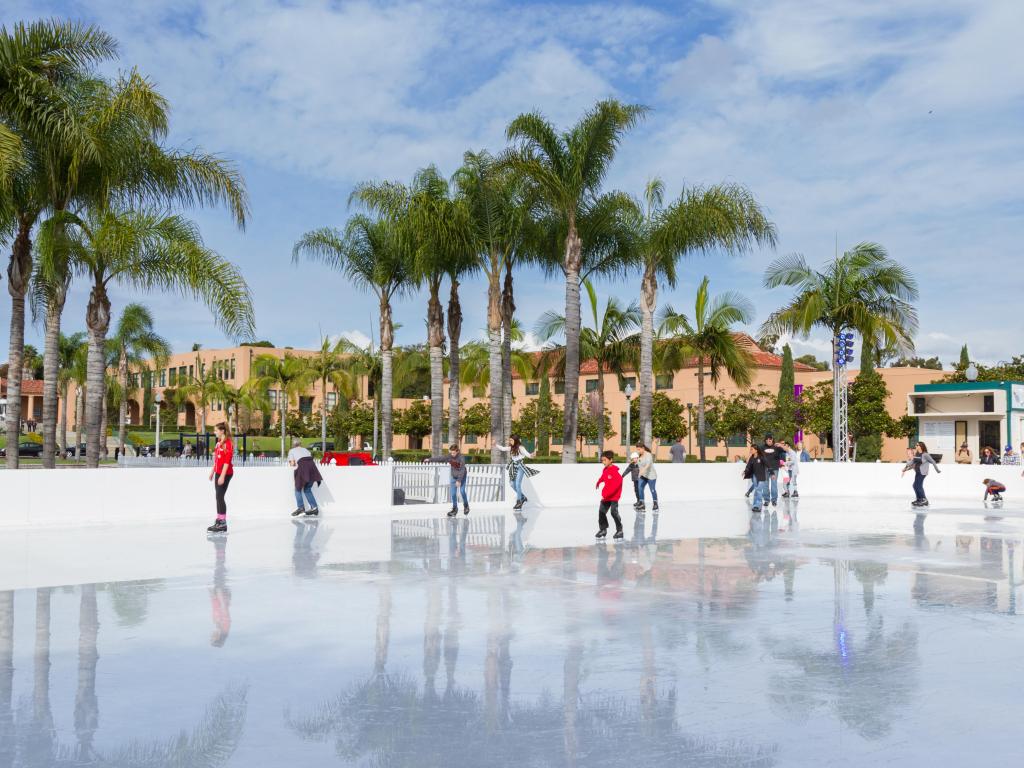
x=79, y=374
x=201, y=388
x=290, y=375
x=863, y=290
x=701, y=220
x=499, y=211
x=327, y=366
x=37, y=61
x=711, y=340
x=369, y=254
x=146, y=250
x=435, y=238
x=567, y=169
x=67, y=348
x=605, y=342
x=134, y=341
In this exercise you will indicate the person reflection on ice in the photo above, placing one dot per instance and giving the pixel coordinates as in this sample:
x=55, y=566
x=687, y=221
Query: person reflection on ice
x=220, y=595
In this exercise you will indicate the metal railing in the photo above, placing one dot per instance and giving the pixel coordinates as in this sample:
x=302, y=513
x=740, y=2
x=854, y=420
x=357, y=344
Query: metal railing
x=195, y=461
x=429, y=483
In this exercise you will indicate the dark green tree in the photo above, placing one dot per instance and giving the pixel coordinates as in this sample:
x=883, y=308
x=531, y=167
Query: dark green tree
x=785, y=402
x=349, y=421
x=544, y=417
x=476, y=420
x=869, y=417
x=414, y=421
x=813, y=362
x=666, y=419
x=965, y=359
x=538, y=419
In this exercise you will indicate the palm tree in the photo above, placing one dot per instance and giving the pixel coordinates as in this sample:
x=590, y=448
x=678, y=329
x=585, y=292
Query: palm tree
x=145, y=250
x=499, y=214
x=327, y=366
x=67, y=348
x=567, y=170
x=79, y=373
x=202, y=388
x=862, y=290
x=711, y=340
x=134, y=341
x=701, y=220
x=37, y=62
x=290, y=375
x=369, y=255
x=606, y=342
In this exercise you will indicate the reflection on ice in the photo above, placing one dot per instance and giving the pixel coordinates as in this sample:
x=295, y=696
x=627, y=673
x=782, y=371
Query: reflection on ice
x=778, y=640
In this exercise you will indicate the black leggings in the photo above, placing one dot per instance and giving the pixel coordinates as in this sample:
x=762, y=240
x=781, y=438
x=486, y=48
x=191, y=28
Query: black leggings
x=602, y=515
x=222, y=507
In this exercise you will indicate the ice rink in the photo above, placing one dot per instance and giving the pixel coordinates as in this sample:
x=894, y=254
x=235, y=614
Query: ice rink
x=838, y=632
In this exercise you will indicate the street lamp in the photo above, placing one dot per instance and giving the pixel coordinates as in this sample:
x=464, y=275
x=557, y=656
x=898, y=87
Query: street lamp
x=628, y=392
x=159, y=399
x=971, y=373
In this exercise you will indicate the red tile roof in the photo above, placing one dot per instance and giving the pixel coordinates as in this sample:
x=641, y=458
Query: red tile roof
x=28, y=386
x=762, y=359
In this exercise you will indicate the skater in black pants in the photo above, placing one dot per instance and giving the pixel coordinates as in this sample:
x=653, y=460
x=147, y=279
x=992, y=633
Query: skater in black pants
x=221, y=474
x=611, y=478
x=773, y=457
x=920, y=461
x=633, y=470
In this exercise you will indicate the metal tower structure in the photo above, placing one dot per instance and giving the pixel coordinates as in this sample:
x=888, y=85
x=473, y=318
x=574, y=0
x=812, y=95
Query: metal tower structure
x=842, y=348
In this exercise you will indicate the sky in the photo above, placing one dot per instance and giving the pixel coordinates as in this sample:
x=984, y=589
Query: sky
x=894, y=122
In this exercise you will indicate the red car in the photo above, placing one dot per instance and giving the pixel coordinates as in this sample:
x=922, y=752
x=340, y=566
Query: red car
x=349, y=458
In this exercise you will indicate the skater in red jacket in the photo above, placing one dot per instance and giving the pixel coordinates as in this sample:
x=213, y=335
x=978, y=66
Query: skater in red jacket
x=612, y=480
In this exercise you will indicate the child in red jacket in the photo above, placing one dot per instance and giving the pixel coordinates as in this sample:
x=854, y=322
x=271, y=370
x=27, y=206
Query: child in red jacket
x=610, y=494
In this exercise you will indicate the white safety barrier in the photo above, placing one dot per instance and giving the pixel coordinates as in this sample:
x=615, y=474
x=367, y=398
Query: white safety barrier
x=110, y=495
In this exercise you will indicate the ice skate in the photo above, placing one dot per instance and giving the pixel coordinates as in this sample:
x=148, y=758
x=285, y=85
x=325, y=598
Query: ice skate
x=220, y=526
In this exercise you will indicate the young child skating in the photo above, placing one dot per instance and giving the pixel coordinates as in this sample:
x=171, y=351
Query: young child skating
x=995, y=488
x=611, y=478
x=633, y=469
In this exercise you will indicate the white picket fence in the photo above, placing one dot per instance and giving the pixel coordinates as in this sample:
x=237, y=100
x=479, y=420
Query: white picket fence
x=193, y=461
x=429, y=483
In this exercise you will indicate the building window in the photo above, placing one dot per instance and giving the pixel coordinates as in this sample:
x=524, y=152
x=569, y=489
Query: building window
x=163, y=378
x=738, y=440
x=306, y=405
x=172, y=376
x=627, y=381
x=471, y=439
x=710, y=442
x=533, y=387
x=232, y=377
x=559, y=386
x=556, y=439
x=664, y=381
x=591, y=385
x=181, y=373
x=332, y=400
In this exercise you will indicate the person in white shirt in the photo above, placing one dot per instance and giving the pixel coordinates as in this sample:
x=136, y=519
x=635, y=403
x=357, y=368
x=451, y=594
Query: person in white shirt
x=793, y=457
x=517, y=471
x=305, y=474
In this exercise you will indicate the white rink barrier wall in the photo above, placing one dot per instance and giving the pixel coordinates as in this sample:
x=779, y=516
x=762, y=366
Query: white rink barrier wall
x=109, y=495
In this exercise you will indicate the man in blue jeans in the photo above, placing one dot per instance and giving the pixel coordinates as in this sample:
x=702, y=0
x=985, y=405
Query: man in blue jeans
x=457, y=483
x=773, y=458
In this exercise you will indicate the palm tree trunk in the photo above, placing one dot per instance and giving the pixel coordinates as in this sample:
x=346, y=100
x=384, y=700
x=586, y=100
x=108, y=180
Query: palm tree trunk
x=600, y=405
x=495, y=390
x=700, y=408
x=323, y=415
x=283, y=411
x=435, y=338
x=86, y=703
x=41, y=712
x=648, y=301
x=51, y=372
x=122, y=410
x=573, y=255
x=97, y=321
x=454, y=335
x=104, y=420
x=64, y=418
x=79, y=421
x=508, y=309
x=7, y=740
x=387, y=374
x=18, y=273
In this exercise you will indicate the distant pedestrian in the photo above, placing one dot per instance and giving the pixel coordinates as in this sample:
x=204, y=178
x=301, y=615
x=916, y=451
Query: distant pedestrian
x=995, y=488
x=648, y=477
x=633, y=470
x=305, y=474
x=611, y=479
x=517, y=470
x=963, y=455
x=920, y=462
x=678, y=451
x=221, y=474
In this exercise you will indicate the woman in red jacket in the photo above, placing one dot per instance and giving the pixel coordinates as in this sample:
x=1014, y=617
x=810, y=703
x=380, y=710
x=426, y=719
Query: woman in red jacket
x=221, y=474
x=610, y=494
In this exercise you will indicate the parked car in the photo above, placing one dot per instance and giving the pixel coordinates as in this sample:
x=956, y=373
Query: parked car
x=349, y=459
x=168, y=447
x=28, y=449
x=70, y=452
x=318, y=446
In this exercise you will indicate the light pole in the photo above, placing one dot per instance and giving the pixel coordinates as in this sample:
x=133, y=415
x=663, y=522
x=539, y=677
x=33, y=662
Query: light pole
x=628, y=392
x=158, y=399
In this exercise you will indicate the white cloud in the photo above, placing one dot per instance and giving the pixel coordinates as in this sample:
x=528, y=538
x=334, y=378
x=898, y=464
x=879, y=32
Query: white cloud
x=357, y=337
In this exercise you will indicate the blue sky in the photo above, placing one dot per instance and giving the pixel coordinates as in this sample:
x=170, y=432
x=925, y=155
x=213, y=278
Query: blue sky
x=870, y=120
